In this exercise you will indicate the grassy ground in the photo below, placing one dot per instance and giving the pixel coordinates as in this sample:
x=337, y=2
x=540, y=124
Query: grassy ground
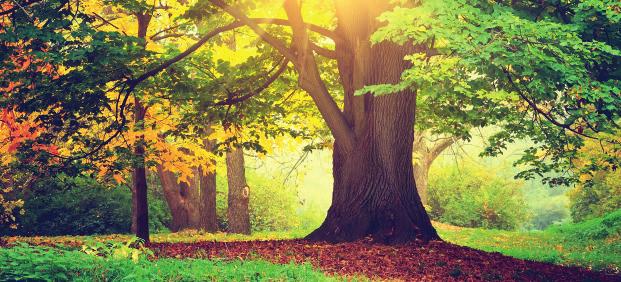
x=593, y=244
x=125, y=263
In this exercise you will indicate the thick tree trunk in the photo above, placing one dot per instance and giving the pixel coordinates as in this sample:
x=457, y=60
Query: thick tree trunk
x=374, y=190
x=238, y=213
x=140, y=207
x=192, y=206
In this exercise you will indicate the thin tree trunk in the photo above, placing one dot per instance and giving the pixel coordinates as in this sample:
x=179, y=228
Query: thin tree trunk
x=140, y=207
x=238, y=213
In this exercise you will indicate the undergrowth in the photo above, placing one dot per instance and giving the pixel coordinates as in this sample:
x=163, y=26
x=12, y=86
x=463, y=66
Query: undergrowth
x=593, y=244
x=129, y=262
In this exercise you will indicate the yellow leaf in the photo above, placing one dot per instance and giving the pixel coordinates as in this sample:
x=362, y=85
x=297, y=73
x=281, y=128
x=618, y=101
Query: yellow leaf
x=118, y=178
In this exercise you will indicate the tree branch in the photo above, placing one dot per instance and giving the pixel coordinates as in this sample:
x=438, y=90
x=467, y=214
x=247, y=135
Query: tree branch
x=108, y=22
x=310, y=80
x=330, y=54
x=185, y=53
x=439, y=147
x=168, y=35
x=546, y=115
x=17, y=7
x=164, y=30
x=215, y=32
x=312, y=27
x=265, y=85
x=279, y=45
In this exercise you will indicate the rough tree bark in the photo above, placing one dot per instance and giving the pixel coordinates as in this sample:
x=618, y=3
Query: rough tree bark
x=140, y=207
x=426, y=152
x=193, y=205
x=374, y=190
x=182, y=199
x=209, y=220
x=238, y=213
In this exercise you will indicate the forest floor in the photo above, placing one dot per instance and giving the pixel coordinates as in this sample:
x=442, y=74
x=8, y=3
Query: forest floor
x=589, y=251
x=413, y=262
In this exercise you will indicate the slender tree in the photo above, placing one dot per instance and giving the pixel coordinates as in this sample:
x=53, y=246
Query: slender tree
x=140, y=205
x=207, y=202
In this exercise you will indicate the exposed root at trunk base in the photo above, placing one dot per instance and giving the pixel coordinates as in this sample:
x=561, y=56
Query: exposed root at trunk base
x=390, y=227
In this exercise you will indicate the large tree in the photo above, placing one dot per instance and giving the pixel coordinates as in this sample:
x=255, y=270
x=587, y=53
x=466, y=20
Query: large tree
x=541, y=72
x=374, y=191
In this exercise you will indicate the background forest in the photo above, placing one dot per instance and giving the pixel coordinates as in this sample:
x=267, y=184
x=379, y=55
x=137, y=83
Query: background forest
x=229, y=138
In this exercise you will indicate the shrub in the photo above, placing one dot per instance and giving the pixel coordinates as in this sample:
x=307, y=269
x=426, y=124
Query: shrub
x=80, y=206
x=599, y=228
x=272, y=204
x=601, y=196
x=470, y=198
x=121, y=263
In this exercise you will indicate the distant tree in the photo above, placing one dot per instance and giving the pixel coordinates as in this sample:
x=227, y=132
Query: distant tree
x=426, y=151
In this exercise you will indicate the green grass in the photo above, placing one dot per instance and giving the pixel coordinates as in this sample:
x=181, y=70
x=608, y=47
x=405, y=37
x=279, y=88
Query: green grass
x=594, y=244
x=23, y=262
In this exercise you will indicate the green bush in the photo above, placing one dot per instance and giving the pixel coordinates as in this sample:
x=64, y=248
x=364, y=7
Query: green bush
x=470, y=198
x=599, y=228
x=123, y=263
x=80, y=206
x=602, y=196
x=273, y=205
x=593, y=244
